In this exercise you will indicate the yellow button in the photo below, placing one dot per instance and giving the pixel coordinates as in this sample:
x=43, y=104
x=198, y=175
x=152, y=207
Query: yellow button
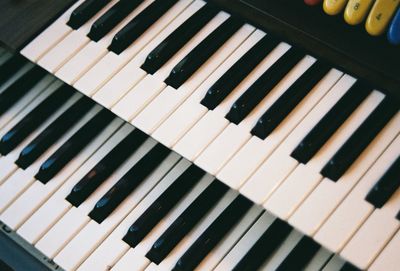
x=380, y=16
x=333, y=7
x=356, y=11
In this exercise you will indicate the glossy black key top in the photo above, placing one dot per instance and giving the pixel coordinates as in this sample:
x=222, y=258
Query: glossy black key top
x=138, y=25
x=11, y=66
x=332, y=120
x=111, y=18
x=224, y=86
x=20, y=87
x=202, y=52
x=386, y=186
x=34, y=119
x=360, y=139
x=102, y=170
x=177, y=39
x=162, y=205
x=213, y=234
x=300, y=256
x=186, y=221
x=398, y=216
x=271, y=239
x=132, y=179
x=289, y=100
x=259, y=89
x=73, y=146
x=349, y=267
x=85, y=11
x=53, y=132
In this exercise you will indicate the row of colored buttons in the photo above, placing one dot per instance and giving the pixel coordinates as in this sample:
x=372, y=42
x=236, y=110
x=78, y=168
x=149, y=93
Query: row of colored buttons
x=381, y=15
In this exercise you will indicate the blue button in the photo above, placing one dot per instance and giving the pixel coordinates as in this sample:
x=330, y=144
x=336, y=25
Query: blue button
x=394, y=29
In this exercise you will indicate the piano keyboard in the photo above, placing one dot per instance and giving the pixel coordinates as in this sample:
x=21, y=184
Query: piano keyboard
x=247, y=153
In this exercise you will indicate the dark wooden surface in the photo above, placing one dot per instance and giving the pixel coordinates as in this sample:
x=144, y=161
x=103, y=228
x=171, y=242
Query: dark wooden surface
x=21, y=20
x=348, y=48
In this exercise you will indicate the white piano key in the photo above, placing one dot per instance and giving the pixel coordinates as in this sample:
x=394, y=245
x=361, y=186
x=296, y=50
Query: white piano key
x=111, y=63
x=213, y=122
x=38, y=193
x=328, y=195
x=86, y=241
x=354, y=209
x=139, y=97
x=182, y=119
x=131, y=261
x=388, y=260
x=256, y=150
x=48, y=244
x=131, y=74
x=56, y=206
x=92, y=52
x=280, y=164
x=102, y=258
x=215, y=156
x=49, y=37
x=169, y=99
x=373, y=235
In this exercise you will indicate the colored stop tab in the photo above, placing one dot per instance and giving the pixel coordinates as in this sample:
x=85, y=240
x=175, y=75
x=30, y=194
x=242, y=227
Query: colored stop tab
x=356, y=11
x=312, y=2
x=333, y=7
x=380, y=15
x=394, y=29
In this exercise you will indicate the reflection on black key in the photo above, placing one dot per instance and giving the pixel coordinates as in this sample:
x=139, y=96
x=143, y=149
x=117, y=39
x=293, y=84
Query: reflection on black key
x=162, y=205
x=213, y=234
x=386, y=186
x=289, y=100
x=300, y=256
x=21, y=86
x=224, y=86
x=175, y=41
x=85, y=11
x=271, y=239
x=111, y=18
x=34, y=119
x=256, y=92
x=103, y=169
x=132, y=179
x=349, y=267
x=138, y=25
x=202, y=52
x=186, y=221
x=53, y=132
x=328, y=125
x=11, y=66
x=73, y=146
x=359, y=140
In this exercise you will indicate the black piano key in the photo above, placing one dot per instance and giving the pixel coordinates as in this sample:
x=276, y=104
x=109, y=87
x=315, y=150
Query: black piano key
x=300, y=256
x=349, y=267
x=138, y=25
x=224, y=86
x=177, y=39
x=202, y=52
x=53, y=132
x=359, y=140
x=5, y=267
x=332, y=120
x=73, y=146
x=111, y=18
x=271, y=239
x=11, y=66
x=256, y=92
x=85, y=11
x=34, y=119
x=20, y=87
x=289, y=100
x=132, y=179
x=186, y=221
x=386, y=186
x=398, y=216
x=102, y=170
x=162, y=205
x=213, y=234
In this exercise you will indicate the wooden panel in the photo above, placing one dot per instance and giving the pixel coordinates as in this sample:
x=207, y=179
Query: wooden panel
x=21, y=20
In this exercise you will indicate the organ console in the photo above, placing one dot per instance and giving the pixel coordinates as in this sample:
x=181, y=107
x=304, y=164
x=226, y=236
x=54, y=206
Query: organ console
x=196, y=135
